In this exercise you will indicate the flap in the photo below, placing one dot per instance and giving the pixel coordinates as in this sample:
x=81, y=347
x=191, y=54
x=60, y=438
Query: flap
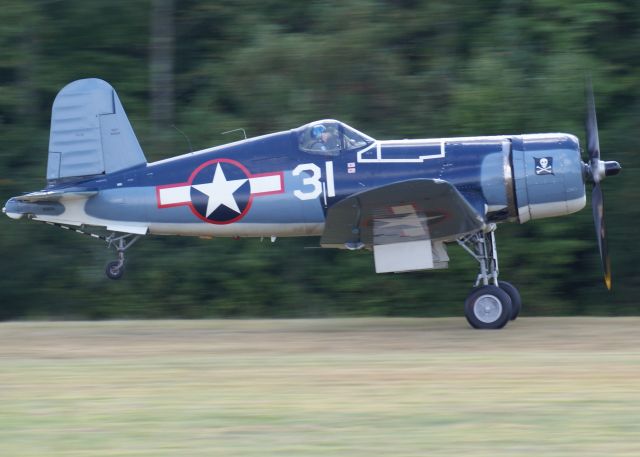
x=411, y=210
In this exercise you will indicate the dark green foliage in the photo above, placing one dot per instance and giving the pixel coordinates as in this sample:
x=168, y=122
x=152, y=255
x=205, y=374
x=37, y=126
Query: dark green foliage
x=390, y=68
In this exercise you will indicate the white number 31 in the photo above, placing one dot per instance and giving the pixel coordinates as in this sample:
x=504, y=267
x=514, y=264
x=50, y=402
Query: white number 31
x=314, y=180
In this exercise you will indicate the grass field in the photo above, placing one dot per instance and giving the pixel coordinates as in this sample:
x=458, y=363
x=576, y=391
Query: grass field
x=336, y=387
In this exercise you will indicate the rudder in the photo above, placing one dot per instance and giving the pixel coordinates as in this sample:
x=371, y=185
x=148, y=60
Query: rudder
x=90, y=132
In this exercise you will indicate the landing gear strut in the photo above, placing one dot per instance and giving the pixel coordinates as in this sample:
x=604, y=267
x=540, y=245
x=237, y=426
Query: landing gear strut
x=488, y=306
x=115, y=269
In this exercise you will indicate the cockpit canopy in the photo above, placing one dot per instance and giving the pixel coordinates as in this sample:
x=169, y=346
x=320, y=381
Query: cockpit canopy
x=330, y=137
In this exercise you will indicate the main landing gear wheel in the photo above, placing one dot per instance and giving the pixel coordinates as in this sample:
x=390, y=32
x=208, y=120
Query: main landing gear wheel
x=488, y=307
x=514, y=295
x=114, y=270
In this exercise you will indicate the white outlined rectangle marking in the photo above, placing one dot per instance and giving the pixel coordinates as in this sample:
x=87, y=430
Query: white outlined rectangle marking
x=266, y=184
x=174, y=195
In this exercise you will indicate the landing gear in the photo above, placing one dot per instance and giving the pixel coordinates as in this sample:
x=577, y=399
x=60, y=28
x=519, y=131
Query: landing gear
x=514, y=295
x=489, y=306
x=115, y=269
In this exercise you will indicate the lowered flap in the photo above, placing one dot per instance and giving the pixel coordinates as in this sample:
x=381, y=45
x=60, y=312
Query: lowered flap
x=417, y=209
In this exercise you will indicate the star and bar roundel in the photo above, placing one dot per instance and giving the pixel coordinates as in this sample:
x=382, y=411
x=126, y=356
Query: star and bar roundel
x=220, y=191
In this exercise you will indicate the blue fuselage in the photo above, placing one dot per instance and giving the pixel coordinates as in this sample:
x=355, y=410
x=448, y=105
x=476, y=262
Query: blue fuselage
x=272, y=186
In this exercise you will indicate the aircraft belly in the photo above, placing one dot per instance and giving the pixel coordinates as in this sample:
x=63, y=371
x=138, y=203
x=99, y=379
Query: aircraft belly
x=240, y=229
x=75, y=214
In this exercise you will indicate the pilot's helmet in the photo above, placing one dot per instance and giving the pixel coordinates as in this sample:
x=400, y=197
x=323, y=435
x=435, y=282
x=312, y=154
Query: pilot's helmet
x=317, y=131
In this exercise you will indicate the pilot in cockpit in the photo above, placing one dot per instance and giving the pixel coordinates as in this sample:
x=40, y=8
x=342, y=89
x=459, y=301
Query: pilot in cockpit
x=324, y=139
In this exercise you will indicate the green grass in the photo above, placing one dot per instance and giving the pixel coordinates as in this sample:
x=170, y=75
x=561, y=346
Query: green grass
x=336, y=387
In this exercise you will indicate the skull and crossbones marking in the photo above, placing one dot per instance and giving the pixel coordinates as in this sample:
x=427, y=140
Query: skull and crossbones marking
x=544, y=166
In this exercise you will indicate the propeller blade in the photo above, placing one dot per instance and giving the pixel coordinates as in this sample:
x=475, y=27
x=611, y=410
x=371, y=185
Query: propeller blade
x=598, y=171
x=591, y=125
x=597, y=204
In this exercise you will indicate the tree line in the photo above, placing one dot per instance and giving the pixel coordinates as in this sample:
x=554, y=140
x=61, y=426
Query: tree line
x=394, y=69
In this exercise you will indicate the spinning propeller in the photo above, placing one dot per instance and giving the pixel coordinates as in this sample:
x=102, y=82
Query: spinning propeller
x=596, y=170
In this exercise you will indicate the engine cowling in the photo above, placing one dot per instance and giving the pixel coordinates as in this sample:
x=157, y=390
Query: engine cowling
x=548, y=175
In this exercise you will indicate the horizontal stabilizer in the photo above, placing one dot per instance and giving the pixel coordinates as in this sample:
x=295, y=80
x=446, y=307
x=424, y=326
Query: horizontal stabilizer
x=57, y=195
x=44, y=202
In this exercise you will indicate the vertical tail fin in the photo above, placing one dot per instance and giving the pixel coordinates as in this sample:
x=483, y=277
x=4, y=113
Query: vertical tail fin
x=90, y=132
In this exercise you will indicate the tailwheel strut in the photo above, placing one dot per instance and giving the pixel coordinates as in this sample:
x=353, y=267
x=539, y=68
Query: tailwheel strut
x=491, y=303
x=115, y=268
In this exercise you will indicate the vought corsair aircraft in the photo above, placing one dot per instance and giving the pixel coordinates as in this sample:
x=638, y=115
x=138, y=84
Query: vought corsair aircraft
x=405, y=200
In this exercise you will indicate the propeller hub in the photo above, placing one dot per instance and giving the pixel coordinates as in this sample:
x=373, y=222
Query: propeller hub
x=597, y=170
x=611, y=168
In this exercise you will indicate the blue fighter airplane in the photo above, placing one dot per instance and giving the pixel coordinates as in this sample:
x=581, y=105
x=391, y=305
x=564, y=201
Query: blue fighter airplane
x=405, y=200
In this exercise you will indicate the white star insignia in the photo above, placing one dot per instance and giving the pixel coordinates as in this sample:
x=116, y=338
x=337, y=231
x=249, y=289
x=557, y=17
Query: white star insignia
x=220, y=191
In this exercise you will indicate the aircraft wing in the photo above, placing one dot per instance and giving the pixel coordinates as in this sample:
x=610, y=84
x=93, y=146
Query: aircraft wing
x=413, y=210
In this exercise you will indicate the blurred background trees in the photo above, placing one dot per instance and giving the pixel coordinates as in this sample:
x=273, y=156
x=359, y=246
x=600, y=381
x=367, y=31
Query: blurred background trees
x=394, y=69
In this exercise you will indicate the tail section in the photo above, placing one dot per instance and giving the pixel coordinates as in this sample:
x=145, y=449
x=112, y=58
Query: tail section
x=90, y=132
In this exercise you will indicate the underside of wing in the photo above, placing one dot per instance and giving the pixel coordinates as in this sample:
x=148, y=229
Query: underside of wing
x=401, y=218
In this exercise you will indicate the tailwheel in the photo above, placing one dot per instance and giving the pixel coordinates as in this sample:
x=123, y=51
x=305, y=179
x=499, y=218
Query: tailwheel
x=120, y=243
x=514, y=295
x=488, y=307
x=114, y=270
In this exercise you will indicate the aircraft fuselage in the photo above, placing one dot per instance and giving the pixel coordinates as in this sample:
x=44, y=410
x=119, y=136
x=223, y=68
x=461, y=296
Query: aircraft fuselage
x=268, y=186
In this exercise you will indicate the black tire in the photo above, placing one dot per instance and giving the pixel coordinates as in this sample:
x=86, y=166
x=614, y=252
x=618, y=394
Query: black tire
x=114, y=270
x=516, y=300
x=497, y=308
